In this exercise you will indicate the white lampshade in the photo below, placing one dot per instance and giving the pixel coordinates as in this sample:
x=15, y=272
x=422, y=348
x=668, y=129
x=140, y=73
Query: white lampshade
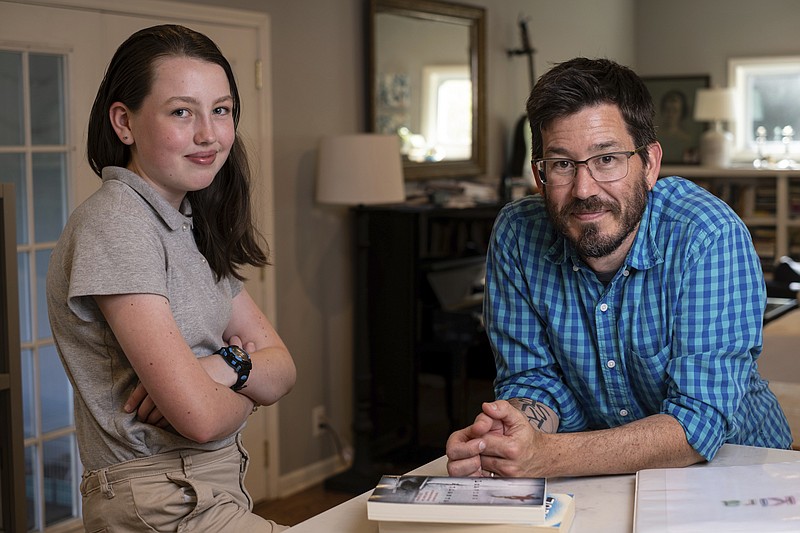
x=714, y=104
x=716, y=144
x=360, y=169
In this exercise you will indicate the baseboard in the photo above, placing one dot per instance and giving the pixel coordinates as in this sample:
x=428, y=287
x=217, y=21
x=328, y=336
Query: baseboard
x=310, y=475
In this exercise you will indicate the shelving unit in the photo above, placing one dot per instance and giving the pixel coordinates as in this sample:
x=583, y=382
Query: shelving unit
x=406, y=329
x=768, y=200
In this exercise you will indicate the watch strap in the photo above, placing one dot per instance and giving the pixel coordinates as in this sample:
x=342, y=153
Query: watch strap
x=239, y=360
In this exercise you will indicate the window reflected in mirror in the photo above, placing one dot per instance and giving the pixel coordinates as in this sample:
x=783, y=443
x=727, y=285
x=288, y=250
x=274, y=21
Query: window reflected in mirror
x=423, y=86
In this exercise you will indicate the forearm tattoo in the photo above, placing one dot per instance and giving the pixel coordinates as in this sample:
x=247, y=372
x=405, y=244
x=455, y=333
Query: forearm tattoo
x=540, y=416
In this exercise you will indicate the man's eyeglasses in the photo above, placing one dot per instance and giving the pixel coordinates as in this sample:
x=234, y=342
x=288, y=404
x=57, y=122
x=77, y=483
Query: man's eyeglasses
x=557, y=171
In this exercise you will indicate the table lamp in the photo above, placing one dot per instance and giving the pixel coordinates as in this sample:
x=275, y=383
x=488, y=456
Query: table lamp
x=716, y=145
x=360, y=169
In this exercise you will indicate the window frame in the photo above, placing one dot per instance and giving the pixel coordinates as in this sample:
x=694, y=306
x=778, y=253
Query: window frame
x=739, y=70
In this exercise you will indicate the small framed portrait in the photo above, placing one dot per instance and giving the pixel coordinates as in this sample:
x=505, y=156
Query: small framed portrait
x=676, y=129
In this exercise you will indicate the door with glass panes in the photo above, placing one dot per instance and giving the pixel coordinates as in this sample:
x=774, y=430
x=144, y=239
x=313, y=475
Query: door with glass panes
x=51, y=61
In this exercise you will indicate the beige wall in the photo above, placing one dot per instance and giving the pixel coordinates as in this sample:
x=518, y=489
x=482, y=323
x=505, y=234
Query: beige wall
x=698, y=36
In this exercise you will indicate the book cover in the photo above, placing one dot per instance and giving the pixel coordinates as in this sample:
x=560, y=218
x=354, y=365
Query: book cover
x=763, y=498
x=560, y=512
x=480, y=500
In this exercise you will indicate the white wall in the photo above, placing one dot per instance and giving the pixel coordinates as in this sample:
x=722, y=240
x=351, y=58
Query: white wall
x=317, y=78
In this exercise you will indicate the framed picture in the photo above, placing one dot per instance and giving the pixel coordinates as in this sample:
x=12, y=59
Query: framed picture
x=676, y=129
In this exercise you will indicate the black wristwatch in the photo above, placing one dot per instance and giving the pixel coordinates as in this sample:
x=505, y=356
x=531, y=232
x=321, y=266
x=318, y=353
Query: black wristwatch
x=239, y=361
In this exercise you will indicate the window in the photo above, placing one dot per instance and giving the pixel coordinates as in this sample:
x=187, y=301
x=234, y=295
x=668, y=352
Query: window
x=767, y=101
x=447, y=111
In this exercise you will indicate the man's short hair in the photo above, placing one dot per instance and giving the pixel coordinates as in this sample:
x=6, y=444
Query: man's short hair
x=575, y=84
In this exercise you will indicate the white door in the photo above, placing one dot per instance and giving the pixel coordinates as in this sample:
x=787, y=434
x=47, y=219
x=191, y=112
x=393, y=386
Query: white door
x=77, y=38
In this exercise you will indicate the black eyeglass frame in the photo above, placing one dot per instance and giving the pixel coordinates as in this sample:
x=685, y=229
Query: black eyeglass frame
x=543, y=175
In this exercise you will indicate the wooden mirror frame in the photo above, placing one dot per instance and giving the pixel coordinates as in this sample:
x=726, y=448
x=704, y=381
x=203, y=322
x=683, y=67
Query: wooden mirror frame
x=475, y=19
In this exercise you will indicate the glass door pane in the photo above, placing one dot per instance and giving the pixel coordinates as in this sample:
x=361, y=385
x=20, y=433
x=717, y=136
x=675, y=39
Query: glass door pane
x=11, y=132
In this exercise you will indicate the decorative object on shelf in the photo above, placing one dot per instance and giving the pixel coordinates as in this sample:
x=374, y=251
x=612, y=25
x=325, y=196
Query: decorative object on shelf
x=360, y=169
x=761, y=137
x=787, y=135
x=677, y=131
x=716, y=145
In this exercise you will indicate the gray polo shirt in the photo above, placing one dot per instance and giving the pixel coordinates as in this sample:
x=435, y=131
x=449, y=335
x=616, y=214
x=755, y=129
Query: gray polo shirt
x=127, y=239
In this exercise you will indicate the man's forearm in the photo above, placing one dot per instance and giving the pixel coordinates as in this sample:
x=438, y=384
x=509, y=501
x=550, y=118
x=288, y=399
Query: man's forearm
x=654, y=442
x=657, y=441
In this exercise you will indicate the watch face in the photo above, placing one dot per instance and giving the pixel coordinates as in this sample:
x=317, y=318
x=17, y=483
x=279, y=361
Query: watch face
x=238, y=352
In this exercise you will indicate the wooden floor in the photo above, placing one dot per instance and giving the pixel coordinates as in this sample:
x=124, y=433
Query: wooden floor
x=294, y=509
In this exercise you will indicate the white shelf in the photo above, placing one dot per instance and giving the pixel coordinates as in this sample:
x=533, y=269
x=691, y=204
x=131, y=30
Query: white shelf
x=740, y=186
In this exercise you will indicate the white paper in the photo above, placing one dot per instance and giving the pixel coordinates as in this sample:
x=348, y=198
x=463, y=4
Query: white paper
x=756, y=498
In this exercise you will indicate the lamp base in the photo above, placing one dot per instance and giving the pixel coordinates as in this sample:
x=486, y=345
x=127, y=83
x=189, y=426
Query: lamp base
x=716, y=148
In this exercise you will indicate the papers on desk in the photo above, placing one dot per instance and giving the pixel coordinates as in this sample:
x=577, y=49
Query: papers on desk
x=762, y=498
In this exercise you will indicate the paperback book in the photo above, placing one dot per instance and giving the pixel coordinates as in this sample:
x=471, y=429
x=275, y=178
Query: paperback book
x=762, y=497
x=476, y=500
x=559, y=514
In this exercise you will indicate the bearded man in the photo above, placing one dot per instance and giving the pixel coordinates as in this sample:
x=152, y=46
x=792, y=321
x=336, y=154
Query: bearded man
x=625, y=311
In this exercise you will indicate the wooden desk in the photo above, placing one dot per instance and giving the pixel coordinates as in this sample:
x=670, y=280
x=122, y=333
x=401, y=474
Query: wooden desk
x=604, y=503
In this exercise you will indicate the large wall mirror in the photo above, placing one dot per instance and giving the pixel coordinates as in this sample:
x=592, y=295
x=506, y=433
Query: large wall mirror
x=426, y=83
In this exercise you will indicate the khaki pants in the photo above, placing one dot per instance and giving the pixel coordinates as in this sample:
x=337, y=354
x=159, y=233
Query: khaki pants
x=185, y=491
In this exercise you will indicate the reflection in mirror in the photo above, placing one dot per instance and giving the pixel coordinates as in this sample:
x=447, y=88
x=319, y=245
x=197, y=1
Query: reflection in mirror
x=426, y=86
x=423, y=86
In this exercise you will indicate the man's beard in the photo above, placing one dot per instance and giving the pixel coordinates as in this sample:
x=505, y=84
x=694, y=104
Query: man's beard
x=590, y=243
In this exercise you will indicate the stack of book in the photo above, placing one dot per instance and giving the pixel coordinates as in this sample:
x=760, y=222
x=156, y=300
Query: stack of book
x=438, y=504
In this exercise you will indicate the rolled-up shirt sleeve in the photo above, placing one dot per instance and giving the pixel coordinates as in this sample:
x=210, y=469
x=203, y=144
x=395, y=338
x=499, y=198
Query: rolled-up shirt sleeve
x=717, y=337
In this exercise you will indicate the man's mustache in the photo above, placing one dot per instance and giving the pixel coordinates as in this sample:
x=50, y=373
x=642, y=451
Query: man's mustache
x=589, y=205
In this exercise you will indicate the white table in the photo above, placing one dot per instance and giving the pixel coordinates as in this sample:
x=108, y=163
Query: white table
x=604, y=504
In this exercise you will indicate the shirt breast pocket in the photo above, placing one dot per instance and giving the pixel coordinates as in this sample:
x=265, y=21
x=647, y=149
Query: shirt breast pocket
x=649, y=331
x=647, y=361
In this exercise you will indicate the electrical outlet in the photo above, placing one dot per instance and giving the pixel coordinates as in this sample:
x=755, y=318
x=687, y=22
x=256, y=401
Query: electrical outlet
x=318, y=418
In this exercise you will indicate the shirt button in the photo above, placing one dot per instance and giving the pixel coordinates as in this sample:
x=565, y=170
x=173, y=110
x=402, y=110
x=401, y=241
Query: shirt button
x=604, y=307
x=185, y=226
x=626, y=272
x=611, y=363
x=623, y=412
x=575, y=268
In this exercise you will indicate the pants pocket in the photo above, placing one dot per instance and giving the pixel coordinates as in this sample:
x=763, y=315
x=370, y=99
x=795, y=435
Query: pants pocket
x=162, y=502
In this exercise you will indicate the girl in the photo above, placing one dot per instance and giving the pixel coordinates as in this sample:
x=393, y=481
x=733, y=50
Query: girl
x=166, y=351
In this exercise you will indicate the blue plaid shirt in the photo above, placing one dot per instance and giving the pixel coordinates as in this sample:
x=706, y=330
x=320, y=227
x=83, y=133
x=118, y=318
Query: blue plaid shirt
x=676, y=331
